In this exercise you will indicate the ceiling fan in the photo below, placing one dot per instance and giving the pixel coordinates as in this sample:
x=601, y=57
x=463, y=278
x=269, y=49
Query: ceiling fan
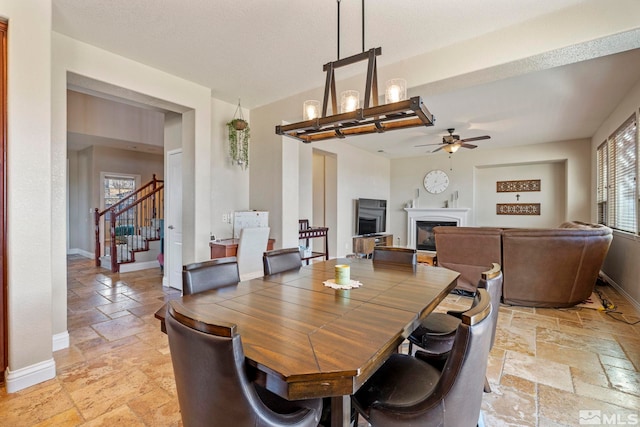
x=450, y=143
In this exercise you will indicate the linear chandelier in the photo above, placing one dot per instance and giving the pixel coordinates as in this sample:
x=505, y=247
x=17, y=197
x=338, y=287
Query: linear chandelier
x=396, y=113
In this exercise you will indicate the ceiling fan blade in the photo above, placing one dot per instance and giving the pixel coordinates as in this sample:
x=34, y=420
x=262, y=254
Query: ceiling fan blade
x=467, y=145
x=438, y=149
x=427, y=145
x=476, y=138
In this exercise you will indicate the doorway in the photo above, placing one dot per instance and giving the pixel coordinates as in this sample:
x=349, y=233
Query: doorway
x=325, y=196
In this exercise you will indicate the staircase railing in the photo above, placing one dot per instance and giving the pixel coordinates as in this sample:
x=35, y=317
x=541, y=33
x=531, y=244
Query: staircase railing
x=132, y=223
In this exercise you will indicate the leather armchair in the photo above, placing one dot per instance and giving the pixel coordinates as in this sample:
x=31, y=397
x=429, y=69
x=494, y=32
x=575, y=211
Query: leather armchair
x=212, y=383
x=406, y=391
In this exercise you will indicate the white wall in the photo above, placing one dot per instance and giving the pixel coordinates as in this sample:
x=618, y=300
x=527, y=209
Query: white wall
x=90, y=115
x=31, y=240
x=473, y=175
x=552, y=194
x=621, y=266
x=80, y=197
x=229, y=182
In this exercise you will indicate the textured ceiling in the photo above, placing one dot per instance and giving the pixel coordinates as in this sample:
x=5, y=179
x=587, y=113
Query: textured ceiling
x=262, y=51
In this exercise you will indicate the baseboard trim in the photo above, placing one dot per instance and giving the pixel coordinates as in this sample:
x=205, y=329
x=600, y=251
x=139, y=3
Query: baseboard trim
x=61, y=341
x=136, y=266
x=31, y=375
x=619, y=288
x=81, y=252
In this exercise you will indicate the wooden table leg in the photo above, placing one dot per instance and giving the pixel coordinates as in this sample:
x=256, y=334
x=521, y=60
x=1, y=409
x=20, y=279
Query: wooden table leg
x=341, y=411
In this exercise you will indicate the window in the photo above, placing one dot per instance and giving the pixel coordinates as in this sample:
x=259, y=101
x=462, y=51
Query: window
x=116, y=188
x=617, y=168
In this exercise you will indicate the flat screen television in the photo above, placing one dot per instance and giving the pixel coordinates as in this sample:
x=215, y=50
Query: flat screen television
x=371, y=216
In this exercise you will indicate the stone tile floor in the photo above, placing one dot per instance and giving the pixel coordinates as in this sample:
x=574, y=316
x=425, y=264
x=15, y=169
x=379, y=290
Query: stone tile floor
x=546, y=366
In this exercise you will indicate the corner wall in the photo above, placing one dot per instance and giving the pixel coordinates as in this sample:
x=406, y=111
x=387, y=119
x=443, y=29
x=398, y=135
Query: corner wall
x=31, y=177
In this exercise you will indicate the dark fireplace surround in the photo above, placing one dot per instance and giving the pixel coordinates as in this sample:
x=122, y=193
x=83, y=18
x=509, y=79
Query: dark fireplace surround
x=425, y=239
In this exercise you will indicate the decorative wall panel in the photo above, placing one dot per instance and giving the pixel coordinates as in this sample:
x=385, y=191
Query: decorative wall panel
x=518, y=208
x=518, y=186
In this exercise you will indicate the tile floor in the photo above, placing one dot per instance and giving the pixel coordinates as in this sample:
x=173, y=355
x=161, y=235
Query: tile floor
x=545, y=367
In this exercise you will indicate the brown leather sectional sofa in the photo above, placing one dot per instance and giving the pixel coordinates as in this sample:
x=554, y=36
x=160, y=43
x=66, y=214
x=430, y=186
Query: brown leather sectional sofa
x=554, y=267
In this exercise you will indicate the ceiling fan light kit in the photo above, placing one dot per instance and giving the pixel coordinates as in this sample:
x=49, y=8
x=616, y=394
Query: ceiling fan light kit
x=451, y=148
x=351, y=119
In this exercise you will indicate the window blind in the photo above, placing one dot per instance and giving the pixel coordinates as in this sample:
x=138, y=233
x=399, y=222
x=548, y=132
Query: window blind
x=601, y=194
x=621, y=177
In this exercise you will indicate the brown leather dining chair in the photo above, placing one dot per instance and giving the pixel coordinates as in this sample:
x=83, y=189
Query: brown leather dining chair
x=279, y=260
x=394, y=255
x=208, y=275
x=437, y=331
x=407, y=391
x=212, y=383
x=204, y=276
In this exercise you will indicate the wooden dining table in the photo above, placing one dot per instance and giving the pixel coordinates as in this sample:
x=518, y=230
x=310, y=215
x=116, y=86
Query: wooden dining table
x=306, y=340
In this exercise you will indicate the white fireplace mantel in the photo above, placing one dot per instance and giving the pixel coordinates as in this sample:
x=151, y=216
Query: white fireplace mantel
x=459, y=215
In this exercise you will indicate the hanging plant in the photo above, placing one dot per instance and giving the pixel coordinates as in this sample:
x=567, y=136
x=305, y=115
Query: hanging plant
x=239, y=133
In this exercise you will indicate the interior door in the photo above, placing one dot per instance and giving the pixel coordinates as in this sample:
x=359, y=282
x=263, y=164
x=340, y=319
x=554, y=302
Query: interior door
x=173, y=233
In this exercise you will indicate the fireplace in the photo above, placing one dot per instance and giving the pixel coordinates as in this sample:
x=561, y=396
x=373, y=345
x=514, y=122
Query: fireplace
x=451, y=216
x=425, y=238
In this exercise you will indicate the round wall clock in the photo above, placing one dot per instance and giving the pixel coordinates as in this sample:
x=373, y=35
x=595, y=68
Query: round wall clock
x=436, y=181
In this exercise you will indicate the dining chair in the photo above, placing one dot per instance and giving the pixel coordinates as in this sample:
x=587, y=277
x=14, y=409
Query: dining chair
x=212, y=383
x=407, y=391
x=208, y=275
x=437, y=331
x=251, y=247
x=395, y=255
x=279, y=260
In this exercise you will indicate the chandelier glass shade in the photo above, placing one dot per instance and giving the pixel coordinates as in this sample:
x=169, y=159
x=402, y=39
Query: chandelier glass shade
x=311, y=109
x=396, y=90
x=349, y=101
